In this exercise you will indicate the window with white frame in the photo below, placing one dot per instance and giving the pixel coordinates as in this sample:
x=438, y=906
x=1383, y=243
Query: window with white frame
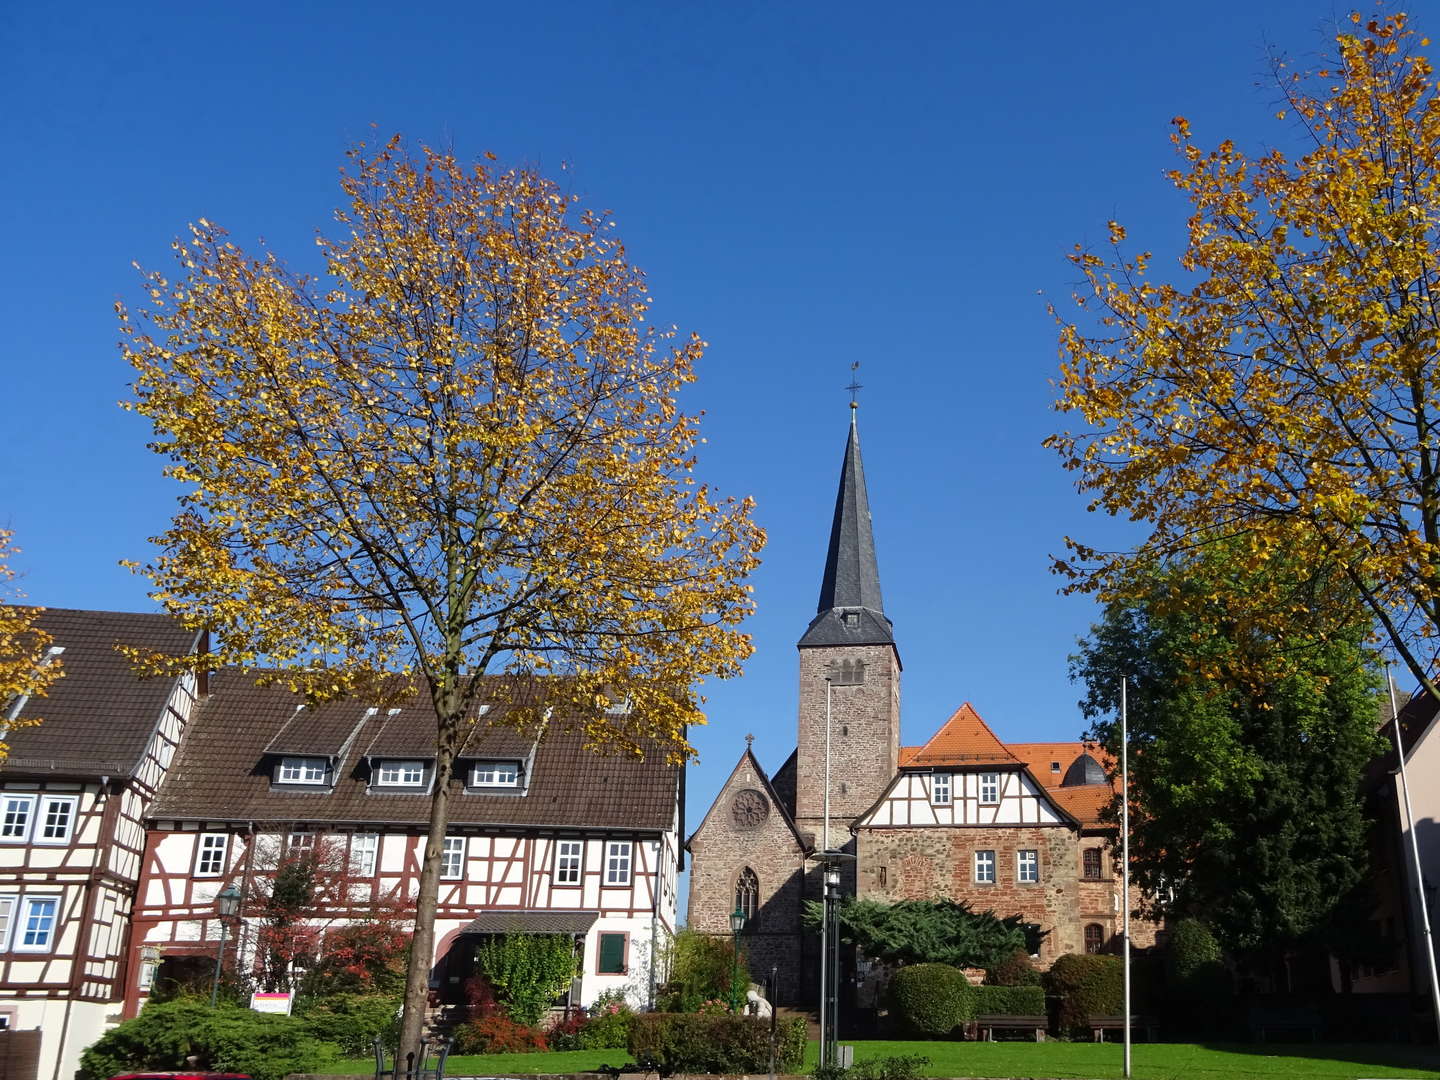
x=617, y=862
x=36, y=929
x=1027, y=866
x=16, y=813
x=7, y=917
x=452, y=858
x=940, y=789
x=364, y=847
x=55, y=819
x=300, y=843
x=985, y=866
x=989, y=787
x=568, y=854
x=210, y=858
x=301, y=770
x=495, y=774
x=400, y=774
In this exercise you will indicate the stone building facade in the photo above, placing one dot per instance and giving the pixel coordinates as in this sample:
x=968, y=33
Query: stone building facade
x=1013, y=828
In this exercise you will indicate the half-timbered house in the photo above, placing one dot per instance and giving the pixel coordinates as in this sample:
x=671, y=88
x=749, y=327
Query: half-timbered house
x=74, y=794
x=545, y=836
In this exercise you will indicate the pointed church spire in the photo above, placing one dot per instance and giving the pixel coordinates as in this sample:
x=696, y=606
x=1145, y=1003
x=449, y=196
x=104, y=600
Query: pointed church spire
x=850, y=610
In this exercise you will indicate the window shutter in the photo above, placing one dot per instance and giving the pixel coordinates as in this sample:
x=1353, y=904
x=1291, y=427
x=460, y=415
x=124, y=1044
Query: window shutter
x=612, y=954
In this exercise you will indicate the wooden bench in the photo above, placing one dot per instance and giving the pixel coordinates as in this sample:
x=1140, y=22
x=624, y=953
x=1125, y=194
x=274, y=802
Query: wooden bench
x=1265, y=1019
x=1100, y=1024
x=988, y=1025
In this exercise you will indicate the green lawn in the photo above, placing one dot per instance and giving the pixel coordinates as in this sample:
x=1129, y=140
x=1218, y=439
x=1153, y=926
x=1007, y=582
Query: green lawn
x=1061, y=1061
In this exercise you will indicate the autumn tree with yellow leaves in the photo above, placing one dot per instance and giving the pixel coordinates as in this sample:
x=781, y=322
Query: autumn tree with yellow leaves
x=458, y=452
x=27, y=666
x=1282, y=393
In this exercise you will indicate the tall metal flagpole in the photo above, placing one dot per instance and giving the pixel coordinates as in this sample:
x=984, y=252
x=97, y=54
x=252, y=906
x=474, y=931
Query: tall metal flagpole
x=1125, y=853
x=824, y=889
x=1414, y=851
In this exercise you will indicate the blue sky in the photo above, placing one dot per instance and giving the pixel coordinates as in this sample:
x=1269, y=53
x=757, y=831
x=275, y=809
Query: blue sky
x=807, y=185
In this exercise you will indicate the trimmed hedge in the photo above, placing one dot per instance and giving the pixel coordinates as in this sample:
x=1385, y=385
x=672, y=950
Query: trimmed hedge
x=1007, y=1000
x=931, y=999
x=716, y=1043
x=227, y=1038
x=352, y=1021
x=1087, y=985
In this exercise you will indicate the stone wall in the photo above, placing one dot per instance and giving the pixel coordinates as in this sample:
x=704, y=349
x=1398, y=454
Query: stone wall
x=934, y=863
x=864, y=737
x=728, y=841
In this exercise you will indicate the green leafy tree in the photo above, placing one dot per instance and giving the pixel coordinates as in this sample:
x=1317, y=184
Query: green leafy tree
x=1245, y=787
x=930, y=931
x=528, y=971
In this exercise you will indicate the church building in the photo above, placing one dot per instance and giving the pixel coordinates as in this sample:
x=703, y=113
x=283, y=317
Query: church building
x=1013, y=828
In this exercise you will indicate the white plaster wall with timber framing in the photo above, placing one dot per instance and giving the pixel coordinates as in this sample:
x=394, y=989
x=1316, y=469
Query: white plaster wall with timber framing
x=989, y=797
x=628, y=878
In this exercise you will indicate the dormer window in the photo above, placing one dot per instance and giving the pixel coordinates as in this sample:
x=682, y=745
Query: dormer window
x=301, y=770
x=502, y=774
x=400, y=774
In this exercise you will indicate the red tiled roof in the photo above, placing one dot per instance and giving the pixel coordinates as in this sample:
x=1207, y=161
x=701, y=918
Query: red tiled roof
x=99, y=717
x=1040, y=756
x=1083, y=801
x=964, y=739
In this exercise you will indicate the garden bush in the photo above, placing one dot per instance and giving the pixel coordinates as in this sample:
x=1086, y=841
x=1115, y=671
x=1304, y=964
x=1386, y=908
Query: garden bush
x=1087, y=985
x=723, y=1043
x=227, y=1038
x=499, y=1035
x=703, y=967
x=1007, y=1000
x=528, y=971
x=930, y=999
x=1195, y=966
x=353, y=1021
x=1017, y=969
x=898, y=1067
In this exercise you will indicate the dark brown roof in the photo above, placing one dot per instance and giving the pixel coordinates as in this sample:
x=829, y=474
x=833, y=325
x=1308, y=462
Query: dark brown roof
x=532, y=922
x=98, y=718
x=326, y=731
x=222, y=772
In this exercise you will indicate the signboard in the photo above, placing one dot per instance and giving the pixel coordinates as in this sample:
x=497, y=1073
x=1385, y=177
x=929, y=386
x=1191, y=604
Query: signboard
x=270, y=1003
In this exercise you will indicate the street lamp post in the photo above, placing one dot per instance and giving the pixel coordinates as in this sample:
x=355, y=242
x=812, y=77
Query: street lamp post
x=831, y=863
x=737, y=923
x=228, y=904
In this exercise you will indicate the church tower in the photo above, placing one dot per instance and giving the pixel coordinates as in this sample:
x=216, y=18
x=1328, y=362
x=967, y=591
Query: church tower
x=849, y=671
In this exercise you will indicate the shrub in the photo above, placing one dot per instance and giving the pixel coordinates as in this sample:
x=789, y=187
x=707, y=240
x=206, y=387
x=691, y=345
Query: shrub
x=564, y=1034
x=899, y=1067
x=499, y=1035
x=352, y=1022
x=1087, y=985
x=224, y=1039
x=528, y=971
x=1196, y=966
x=1017, y=969
x=703, y=967
x=692, y=1043
x=1007, y=1000
x=607, y=1023
x=930, y=999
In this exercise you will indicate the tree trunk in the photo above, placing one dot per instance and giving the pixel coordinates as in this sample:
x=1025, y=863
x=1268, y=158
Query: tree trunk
x=422, y=945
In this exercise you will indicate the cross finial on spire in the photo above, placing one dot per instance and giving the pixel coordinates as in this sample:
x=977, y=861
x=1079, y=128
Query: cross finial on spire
x=749, y=741
x=854, y=386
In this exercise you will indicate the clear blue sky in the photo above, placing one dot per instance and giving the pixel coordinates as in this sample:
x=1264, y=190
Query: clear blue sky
x=806, y=184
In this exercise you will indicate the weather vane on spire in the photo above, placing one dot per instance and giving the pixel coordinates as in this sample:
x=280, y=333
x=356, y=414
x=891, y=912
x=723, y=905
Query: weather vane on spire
x=854, y=386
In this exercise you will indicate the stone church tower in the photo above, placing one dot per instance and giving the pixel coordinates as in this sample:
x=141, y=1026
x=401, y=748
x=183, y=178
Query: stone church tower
x=849, y=673
x=751, y=849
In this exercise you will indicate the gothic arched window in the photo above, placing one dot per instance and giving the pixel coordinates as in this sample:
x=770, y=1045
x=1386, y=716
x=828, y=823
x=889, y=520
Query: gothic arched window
x=747, y=893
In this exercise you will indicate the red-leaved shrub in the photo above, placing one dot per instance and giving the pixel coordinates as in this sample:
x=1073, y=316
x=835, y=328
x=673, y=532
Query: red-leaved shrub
x=499, y=1035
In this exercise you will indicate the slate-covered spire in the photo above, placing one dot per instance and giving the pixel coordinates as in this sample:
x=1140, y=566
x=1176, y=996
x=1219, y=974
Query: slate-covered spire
x=850, y=610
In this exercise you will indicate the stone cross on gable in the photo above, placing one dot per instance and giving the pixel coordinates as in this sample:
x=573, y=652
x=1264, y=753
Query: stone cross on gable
x=749, y=741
